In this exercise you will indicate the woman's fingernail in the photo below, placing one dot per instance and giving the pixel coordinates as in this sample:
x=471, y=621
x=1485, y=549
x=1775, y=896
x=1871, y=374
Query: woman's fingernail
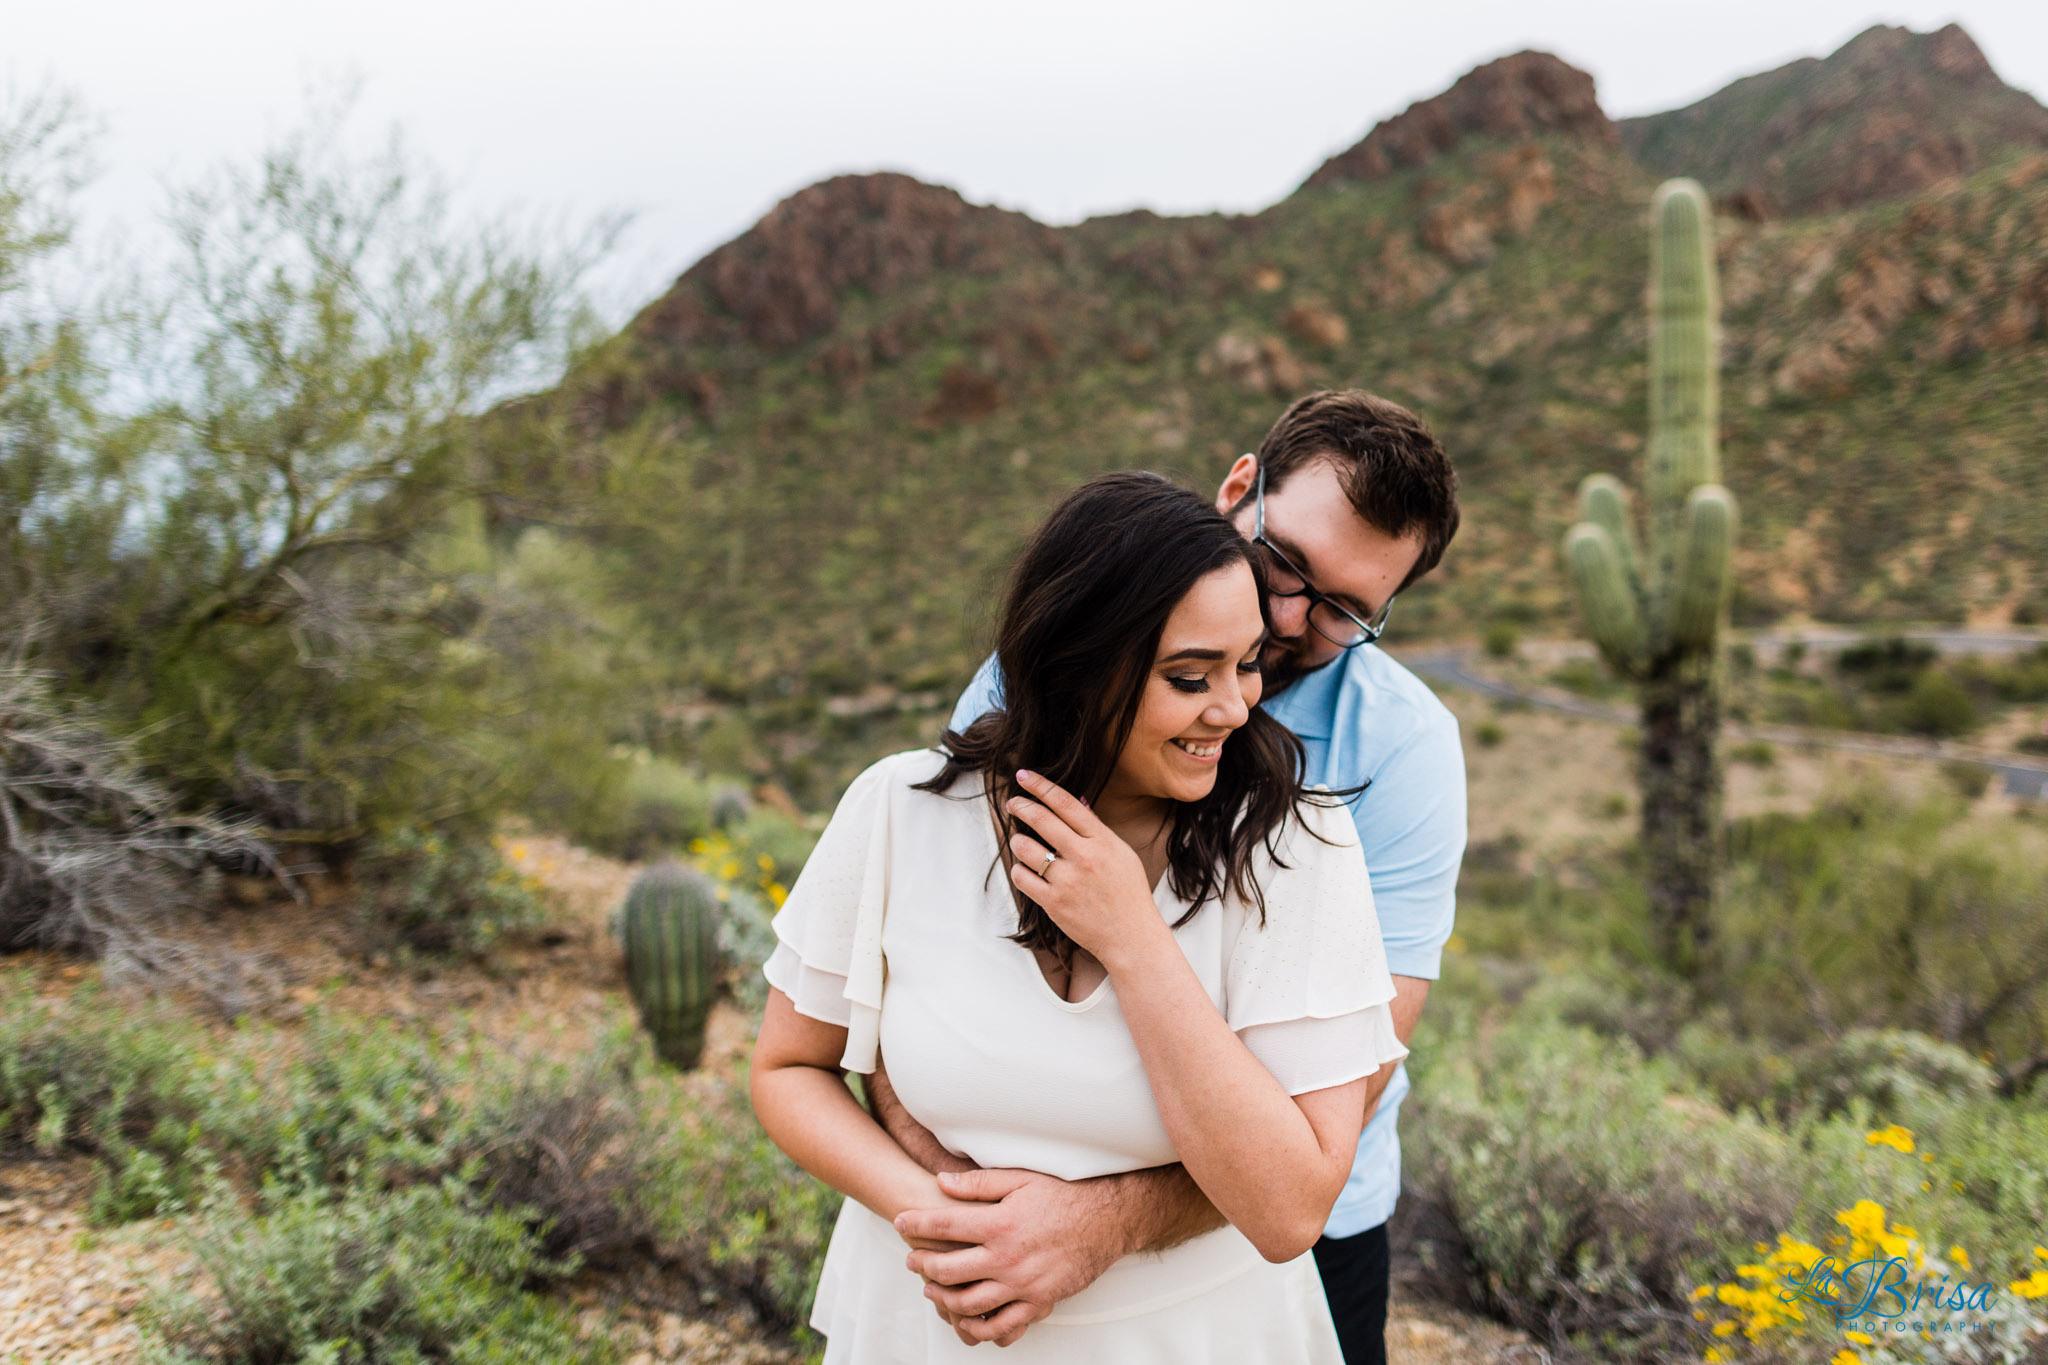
x=1026, y=775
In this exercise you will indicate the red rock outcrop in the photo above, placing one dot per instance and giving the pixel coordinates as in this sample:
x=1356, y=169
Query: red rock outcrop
x=1514, y=97
x=1891, y=113
x=781, y=282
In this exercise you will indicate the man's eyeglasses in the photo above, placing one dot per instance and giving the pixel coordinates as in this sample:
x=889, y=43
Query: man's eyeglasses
x=1329, y=620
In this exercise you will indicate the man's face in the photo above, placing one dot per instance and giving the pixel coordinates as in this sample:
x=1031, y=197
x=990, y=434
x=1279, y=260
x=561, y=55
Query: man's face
x=1314, y=525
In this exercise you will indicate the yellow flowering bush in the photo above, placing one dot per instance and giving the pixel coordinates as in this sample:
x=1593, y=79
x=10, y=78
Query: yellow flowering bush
x=1801, y=1293
x=730, y=864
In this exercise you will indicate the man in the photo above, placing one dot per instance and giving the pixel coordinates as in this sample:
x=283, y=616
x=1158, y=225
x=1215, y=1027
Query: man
x=1350, y=499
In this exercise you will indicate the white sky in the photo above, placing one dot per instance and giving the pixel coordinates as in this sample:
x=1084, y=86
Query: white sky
x=698, y=117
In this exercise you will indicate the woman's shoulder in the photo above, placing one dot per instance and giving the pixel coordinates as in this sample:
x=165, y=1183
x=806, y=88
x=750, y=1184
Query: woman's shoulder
x=1320, y=819
x=896, y=776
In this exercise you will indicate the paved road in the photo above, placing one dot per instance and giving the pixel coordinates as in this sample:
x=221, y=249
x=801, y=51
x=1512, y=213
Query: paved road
x=2022, y=777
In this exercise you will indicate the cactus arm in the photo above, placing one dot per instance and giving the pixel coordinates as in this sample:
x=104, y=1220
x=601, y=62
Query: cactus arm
x=1607, y=599
x=1700, y=584
x=1604, y=503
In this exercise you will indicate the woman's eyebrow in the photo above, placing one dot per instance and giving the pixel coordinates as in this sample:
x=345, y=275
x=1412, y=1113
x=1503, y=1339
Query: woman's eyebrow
x=1210, y=654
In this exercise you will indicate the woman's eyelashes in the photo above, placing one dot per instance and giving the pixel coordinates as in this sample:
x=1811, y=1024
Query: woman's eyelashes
x=1201, y=684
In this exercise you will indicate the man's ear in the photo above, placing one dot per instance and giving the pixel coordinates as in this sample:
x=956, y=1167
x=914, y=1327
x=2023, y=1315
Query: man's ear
x=1237, y=483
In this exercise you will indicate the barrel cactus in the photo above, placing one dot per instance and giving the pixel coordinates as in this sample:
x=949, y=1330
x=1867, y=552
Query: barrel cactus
x=669, y=928
x=1655, y=605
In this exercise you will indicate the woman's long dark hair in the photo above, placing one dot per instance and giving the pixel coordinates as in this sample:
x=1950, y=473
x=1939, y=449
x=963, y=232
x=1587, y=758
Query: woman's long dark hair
x=1081, y=622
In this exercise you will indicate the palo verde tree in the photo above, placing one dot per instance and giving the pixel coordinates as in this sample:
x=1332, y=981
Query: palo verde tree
x=1654, y=605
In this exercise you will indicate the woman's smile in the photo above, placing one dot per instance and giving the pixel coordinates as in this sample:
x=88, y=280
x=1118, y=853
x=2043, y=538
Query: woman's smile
x=1200, y=750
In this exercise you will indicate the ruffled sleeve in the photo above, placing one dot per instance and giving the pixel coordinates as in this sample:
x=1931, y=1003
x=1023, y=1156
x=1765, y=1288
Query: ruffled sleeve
x=828, y=952
x=1309, y=993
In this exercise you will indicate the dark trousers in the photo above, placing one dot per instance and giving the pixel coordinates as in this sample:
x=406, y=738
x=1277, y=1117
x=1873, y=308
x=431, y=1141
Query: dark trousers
x=1354, y=1271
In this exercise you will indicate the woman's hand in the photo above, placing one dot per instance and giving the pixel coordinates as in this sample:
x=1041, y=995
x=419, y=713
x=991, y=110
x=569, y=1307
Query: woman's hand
x=1096, y=891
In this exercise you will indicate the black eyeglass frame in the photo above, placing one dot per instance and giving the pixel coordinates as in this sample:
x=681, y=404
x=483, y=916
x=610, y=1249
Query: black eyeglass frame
x=1368, y=631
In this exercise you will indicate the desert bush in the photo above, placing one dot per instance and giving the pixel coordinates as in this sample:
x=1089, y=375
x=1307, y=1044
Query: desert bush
x=96, y=857
x=664, y=806
x=1875, y=913
x=1580, y=1190
x=1936, y=706
x=362, y=1274
x=750, y=1223
x=447, y=896
x=1892, y=664
x=89, y=1078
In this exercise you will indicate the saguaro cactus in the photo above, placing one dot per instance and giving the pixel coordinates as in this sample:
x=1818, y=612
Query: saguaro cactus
x=669, y=925
x=1657, y=616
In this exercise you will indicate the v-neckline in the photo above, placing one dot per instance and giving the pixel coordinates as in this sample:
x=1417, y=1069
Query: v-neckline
x=1030, y=958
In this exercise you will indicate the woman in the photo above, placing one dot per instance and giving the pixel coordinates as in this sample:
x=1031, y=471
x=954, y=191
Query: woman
x=1115, y=933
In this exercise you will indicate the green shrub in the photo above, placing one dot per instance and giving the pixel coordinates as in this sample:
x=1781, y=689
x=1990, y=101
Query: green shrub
x=1757, y=753
x=1936, y=706
x=81, y=1076
x=666, y=806
x=1970, y=780
x=1587, y=678
x=442, y=895
x=747, y=1216
x=1488, y=734
x=369, y=1275
x=1874, y=912
x=1888, y=665
x=1501, y=640
x=1575, y=1190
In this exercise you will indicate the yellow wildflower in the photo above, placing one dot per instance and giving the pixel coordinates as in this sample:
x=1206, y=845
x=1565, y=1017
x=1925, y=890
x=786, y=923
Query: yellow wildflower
x=2035, y=1286
x=1845, y=1356
x=1861, y=1338
x=1724, y=1329
x=1715, y=1356
x=1894, y=1136
x=1705, y=1291
x=1960, y=1257
x=1865, y=1220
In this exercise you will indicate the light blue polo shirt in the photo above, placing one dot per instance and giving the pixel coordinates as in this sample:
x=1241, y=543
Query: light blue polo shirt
x=1363, y=717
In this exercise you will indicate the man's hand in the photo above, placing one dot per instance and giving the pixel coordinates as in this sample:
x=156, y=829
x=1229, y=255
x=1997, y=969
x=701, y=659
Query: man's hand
x=1040, y=1240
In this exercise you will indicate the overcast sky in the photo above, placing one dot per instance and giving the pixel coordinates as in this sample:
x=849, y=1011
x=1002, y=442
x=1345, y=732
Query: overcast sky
x=698, y=117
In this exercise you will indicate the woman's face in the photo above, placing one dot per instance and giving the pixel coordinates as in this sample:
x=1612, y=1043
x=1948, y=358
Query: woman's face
x=1203, y=682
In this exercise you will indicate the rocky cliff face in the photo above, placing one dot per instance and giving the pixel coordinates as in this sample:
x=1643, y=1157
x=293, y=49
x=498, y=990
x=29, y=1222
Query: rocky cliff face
x=1891, y=113
x=780, y=282
x=1515, y=97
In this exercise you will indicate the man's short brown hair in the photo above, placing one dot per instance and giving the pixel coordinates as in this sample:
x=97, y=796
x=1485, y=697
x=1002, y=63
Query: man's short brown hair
x=1393, y=471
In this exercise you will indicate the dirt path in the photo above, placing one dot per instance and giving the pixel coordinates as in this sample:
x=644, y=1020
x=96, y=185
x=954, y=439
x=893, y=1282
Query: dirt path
x=69, y=1292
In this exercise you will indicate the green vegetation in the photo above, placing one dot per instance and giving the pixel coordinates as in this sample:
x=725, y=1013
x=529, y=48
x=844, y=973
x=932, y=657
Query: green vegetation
x=1590, y=1141
x=1890, y=685
x=387, y=1191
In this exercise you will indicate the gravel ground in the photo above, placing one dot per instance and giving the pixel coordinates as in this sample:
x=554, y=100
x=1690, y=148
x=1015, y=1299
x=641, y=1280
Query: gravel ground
x=69, y=1293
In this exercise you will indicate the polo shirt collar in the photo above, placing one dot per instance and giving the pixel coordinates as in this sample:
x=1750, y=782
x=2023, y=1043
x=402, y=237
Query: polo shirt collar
x=1309, y=707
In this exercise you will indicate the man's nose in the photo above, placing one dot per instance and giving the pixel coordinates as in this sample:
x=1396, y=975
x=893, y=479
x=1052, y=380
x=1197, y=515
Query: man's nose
x=1290, y=615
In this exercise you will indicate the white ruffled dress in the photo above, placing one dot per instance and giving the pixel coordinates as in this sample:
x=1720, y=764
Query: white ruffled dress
x=895, y=931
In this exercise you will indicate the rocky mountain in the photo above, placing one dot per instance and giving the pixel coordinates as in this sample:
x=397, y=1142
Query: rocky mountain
x=1890, y=114
x=821, y=448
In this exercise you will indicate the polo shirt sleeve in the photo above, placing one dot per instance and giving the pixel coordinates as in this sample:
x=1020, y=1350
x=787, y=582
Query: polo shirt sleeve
x=1411, y=824
x=983, y=694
